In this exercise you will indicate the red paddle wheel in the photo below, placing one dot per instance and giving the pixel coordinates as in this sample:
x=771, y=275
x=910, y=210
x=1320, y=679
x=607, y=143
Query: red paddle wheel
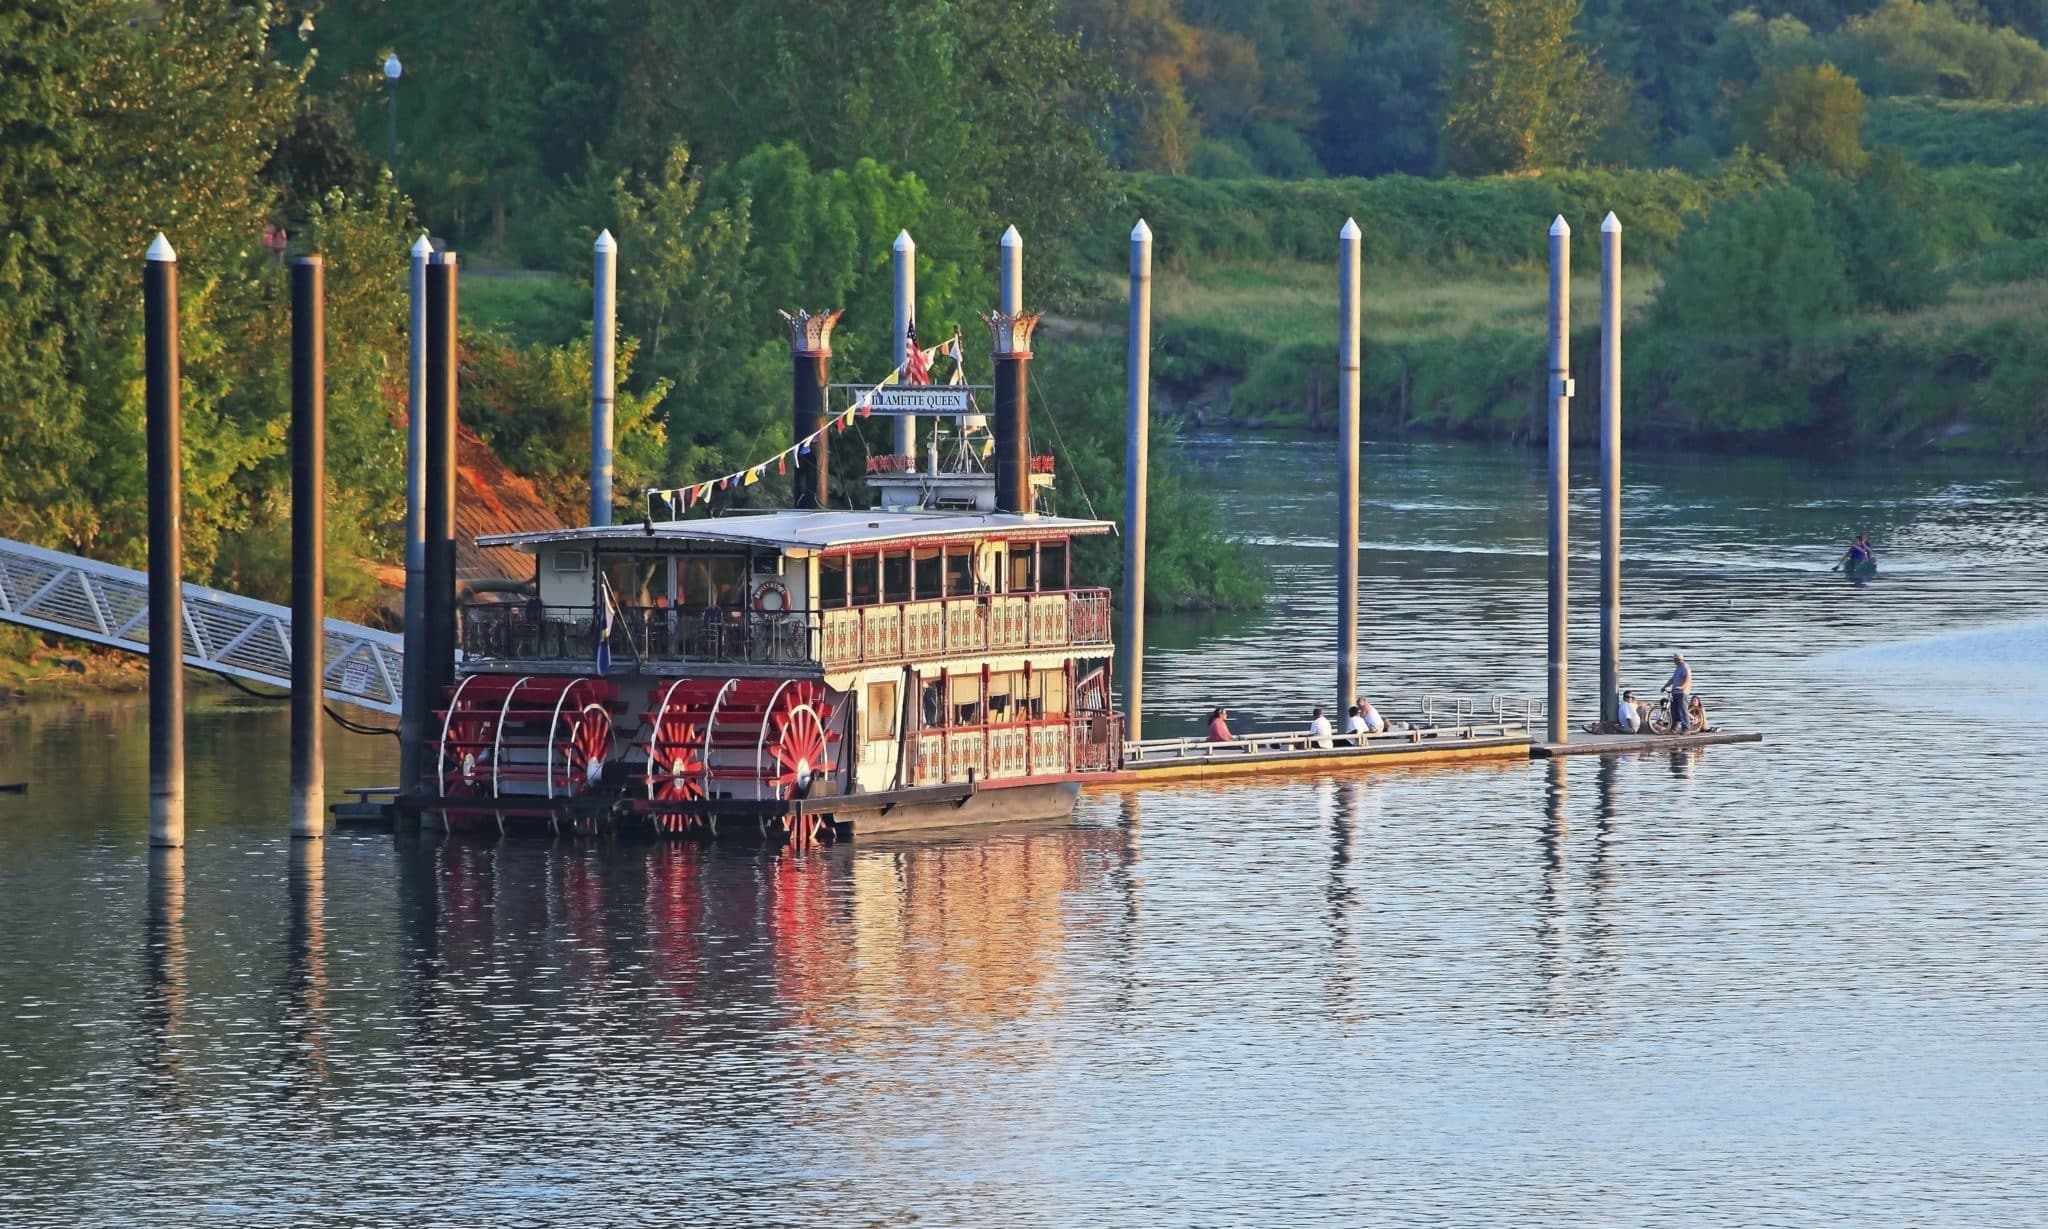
x=752, y=739
x=523, y=744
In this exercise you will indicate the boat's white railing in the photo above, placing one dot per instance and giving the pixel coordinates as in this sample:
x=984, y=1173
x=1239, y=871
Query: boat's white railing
x=1300, y=742
x=224, y=633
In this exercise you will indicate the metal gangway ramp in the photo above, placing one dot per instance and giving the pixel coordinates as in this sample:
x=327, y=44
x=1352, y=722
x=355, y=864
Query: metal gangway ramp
x=224, y=633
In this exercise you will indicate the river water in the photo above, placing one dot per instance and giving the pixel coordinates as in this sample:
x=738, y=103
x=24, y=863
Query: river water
x=1784, y=984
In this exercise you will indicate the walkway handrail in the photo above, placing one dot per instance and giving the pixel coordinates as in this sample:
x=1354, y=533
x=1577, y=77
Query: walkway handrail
x=224, y=632
x=1154, y=750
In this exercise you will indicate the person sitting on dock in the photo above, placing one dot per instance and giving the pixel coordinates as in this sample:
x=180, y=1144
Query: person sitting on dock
x=1680, y=688
x=1370, y=718
x=1628, y=715
x=1319, y=731
x=1354, y=728
x=1219, y=727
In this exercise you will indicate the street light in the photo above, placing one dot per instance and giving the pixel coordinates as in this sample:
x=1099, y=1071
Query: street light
x=393, y=70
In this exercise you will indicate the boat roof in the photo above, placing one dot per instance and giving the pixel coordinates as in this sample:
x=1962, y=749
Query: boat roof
x=805, y=529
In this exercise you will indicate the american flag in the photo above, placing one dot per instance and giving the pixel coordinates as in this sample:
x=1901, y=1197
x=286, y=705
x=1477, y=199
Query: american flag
x=917, y=369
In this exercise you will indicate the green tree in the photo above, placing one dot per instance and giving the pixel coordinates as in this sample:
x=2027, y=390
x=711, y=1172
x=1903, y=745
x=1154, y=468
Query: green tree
x=1528, y=95
x=1807, y=117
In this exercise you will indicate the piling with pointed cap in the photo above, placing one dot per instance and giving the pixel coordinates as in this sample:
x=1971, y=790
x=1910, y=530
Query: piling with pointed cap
x=309, y=545
x=161, y=378
x=443, y=405
x=1560, y=461
x=1348, y=273
x=904, y=265
x=413, y=706
x=604, y=342
x=1010, y=329
x=1610, y=466
x=1010, y=298
x=1137, y=399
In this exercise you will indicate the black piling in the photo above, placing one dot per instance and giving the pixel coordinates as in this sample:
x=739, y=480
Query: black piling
x=439, y=634
x=309, y=544
x=166, y=548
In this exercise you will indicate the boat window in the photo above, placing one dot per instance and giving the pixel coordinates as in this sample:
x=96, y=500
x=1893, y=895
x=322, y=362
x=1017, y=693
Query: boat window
x=1052, y=567
x=637, y=580
x=927, y=565
x=832, y=582
x=965, y=707
x=866, y=582
x=881, y=711
x=1021, y=559
x=959, y=571
x=1006, y=697
x=896, y=576
x=1049, y=693
x=934, y=703
x=712, y=580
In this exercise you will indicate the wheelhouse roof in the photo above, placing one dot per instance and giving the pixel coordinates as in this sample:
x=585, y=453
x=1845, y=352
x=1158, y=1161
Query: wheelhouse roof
x=793, y=529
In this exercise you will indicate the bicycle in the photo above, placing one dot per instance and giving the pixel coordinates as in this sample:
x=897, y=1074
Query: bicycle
x=1657, y=720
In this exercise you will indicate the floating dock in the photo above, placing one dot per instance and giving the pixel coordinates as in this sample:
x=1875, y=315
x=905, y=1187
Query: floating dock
x=1623, y=744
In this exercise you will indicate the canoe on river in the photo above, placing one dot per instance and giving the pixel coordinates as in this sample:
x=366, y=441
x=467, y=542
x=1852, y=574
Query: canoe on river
x=1861, y=570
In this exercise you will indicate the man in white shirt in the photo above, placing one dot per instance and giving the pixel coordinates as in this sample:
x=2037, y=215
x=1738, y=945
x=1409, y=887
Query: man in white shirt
x=1319, y=728
x=1627, y=717
x=1374, y=723
x=1354, y=725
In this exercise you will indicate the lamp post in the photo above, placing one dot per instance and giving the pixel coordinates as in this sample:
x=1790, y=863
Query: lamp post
x=393, y=70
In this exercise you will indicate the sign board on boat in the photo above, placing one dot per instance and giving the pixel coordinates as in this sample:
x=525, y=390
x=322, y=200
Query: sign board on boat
x=900, y=399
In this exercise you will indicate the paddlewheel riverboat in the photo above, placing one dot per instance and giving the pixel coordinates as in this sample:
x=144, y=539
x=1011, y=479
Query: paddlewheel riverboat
x=797, y=672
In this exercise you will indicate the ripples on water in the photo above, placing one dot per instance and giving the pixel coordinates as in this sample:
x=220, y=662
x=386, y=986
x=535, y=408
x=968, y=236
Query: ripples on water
x=1773, y=985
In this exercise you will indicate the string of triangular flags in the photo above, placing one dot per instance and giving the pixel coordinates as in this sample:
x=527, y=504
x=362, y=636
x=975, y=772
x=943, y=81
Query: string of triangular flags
x=681, y=498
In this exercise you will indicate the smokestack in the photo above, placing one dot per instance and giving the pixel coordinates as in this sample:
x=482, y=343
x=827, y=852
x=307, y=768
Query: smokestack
x=810, y=356
x=1012, y=353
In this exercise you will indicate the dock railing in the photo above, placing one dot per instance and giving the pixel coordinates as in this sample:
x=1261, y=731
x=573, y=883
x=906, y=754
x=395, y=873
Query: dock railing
x=1282, y=744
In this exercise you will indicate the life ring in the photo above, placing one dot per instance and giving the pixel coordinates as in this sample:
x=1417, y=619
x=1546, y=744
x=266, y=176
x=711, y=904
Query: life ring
x=771, y=597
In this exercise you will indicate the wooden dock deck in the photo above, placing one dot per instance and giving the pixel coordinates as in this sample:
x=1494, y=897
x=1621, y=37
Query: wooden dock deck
x=1624, y=744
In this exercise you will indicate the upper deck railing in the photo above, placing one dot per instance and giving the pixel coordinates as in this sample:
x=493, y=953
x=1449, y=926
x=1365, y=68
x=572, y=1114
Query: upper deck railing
x=837, y=638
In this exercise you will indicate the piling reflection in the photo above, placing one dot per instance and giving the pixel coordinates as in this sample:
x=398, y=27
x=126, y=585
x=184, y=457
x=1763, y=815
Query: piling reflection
x=305, y=965
x=1552, y=962
x=164, y=966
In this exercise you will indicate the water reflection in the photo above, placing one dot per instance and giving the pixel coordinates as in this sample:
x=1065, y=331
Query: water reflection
x=304, y=983
x=164, y=966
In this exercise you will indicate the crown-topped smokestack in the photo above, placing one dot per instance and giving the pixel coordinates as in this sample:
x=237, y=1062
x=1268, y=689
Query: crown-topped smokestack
x=810, y=352
x=1010, y=334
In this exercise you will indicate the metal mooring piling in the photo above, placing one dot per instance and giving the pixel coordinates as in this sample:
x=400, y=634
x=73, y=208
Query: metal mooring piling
x=904, y=298
x=166, y=547
x=309, y=544
x=1137, y=445
x=1610, y=466
x=1560, y=460
x=1347, y=465
x=438, y=670
x=604, y=340
x=413, y=706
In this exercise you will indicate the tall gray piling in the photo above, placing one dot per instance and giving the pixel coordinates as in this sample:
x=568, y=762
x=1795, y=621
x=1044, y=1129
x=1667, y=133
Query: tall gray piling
x=413, y=705
x=904, y=265
x=1610, y=466
x=166, y=547
x=309, y=544
x=1010, y=273
x=604, y=342
x=1560, y=460
x=438, y=671
x=1347, y=464
x=1137, y=454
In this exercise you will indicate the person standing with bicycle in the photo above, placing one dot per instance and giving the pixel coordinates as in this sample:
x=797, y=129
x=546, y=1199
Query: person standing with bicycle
x=1680, y=688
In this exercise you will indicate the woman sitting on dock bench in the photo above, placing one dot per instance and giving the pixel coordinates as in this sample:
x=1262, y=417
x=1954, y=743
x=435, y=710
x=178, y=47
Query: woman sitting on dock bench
x=1364, y=719
x=1219, y=728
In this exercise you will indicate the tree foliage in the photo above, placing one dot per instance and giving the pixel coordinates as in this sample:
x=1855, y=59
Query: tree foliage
x=1808, y=117
x=1528, y=95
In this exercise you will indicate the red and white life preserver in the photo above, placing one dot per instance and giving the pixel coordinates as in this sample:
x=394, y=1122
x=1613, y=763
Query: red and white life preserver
x=771, y=597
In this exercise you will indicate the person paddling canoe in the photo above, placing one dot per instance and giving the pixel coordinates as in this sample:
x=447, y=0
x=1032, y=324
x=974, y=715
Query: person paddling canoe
x=1859, y=561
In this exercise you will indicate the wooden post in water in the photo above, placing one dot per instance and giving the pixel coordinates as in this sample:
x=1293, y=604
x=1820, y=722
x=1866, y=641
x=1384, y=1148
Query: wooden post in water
x=1560, y=460
x=166, y=547
x=413, y=705
x=309, y=545
x=604, y=340
x=438, y=671
x=1610, y=466
x=1347, y=465
x=1137, y=445
x=904, y=426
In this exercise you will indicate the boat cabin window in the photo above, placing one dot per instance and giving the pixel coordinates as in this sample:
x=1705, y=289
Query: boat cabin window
x=965, y=708
x=1006, y=697
x=832, y=582
x=927, y=568
x=896, y=576
x=959, y=571
x=1052, y=567
x=1021, y=570
x=881, y=715
x=636, y=580
x=712, y=580
x=866, y=580
x=1049, y=693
